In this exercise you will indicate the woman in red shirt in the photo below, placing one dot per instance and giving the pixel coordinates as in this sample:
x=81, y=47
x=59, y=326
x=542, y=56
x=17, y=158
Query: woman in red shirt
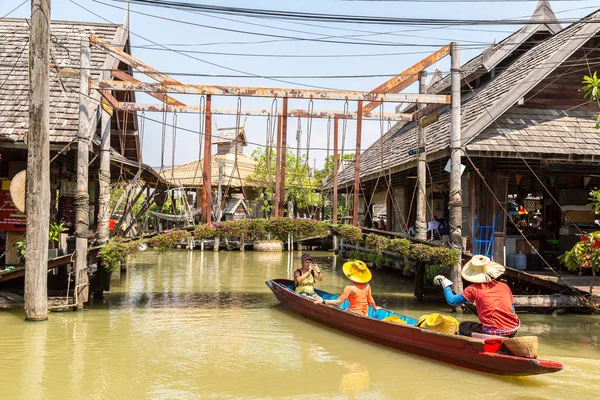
x=358, y=293
x=493, y=299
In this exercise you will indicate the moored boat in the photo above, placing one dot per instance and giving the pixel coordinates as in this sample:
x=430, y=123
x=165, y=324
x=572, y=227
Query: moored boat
x=481, y=354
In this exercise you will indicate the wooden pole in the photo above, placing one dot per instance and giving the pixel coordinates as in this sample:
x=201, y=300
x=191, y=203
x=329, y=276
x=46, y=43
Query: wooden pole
x=82, y=200
x=283, y=156
x=206, y=171
x=357, y=163
x=277, y=168
x=421, y=219
x=104, y=180
x=334, y=211
x=455, y=176
x=38, y=165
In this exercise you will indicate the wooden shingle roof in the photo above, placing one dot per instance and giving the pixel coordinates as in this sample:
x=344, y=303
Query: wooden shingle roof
x=14, y=76
x=480, y=109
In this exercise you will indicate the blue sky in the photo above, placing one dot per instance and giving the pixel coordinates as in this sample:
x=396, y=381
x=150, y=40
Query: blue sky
x=417, y=41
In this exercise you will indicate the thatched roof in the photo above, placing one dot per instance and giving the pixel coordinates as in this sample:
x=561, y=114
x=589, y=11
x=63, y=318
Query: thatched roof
x=190, y=174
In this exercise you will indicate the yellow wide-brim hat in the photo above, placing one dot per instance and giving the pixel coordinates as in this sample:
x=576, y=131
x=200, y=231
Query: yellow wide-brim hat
x=395, y=319
x=481, y=269
x=357, y=271
x=17, y=190
x=438, y=322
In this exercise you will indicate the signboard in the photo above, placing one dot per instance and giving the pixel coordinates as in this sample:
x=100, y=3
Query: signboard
x=428, y=119
x=11, y=219
x=415, y=151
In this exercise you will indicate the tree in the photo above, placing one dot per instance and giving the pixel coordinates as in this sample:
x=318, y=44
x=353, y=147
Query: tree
x=300, y=188
x=325, y=176
x=591, y=90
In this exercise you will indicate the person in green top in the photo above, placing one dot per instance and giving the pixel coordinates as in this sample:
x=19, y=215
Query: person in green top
x=305, y=277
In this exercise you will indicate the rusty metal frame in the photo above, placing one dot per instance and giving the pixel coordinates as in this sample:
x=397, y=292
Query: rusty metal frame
x=261, y=112
x=406, y=77
x=241, y=91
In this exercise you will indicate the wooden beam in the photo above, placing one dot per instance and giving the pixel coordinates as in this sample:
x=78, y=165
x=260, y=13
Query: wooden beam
x=262, y=112
x=554, y=301
x=277, y=169
x=335, y=170
x=357, y=164
x=206, y=170
x=168, y=100
x=406, y=77
x=283, y=155
x=238, y=91
x=130, y=60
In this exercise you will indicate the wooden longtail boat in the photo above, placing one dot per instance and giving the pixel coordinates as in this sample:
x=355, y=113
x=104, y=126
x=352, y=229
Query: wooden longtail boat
x=474, y=353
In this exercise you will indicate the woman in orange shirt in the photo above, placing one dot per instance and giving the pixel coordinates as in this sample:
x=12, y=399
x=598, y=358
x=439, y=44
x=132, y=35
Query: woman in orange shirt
x=358, y=293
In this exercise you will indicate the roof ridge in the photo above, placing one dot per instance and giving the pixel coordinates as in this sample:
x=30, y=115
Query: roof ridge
x=546, y=16
x=60, y=21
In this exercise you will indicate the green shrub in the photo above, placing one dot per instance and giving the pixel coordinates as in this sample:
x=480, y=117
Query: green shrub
x=169, y=240
x=399, y=246
x=116, y=250
x=204, y=232
x=349, y=233
x=376, y=242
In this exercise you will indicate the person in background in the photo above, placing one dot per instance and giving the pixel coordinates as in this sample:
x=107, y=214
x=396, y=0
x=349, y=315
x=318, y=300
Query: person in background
x=432, y=228
x=382, y=227
x=358, y=292
x=493, y=299
x=375, y=225
x=305, y=277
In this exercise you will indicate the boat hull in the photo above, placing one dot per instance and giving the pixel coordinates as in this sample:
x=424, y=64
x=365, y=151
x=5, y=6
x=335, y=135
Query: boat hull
x=472, y=353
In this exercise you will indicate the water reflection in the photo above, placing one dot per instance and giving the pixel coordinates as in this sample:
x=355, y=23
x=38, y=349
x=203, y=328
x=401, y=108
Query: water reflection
x=192, y=324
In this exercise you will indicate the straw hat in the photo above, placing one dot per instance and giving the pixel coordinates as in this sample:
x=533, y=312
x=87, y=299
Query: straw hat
x=481, y=269
x=438, y=322
x=394, y=318
x=357, y=271
x=17, y=190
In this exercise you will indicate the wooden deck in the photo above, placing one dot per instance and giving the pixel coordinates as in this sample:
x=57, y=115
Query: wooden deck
x=53, y=263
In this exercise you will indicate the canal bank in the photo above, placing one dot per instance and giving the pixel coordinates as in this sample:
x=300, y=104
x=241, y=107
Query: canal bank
x=191, y=325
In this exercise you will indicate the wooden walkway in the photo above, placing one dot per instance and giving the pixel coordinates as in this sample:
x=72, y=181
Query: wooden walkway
x=53, y=263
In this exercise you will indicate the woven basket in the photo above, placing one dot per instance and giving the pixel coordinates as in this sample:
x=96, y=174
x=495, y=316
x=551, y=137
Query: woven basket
x=17, y=191
x=526, y=346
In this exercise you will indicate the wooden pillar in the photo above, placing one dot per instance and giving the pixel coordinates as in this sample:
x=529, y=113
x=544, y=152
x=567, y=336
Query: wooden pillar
x=206, y=170
x=283, y=156
x=334, y=211
x=357, y=163
x=82, y=201
x=421, y=219
x=104, y=180
x=455, y=156
x=37, y=199
x=277, y=168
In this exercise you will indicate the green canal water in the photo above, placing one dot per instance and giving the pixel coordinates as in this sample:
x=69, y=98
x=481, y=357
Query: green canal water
x=190, y=325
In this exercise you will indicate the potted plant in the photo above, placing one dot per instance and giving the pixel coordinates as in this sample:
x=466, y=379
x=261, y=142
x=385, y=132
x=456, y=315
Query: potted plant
x=54, y=232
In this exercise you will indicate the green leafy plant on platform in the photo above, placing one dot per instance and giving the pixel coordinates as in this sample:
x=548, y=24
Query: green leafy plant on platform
x=117, y=250
x=585, y=253
x=54, y=232
x=169, y=240
x=349, y=234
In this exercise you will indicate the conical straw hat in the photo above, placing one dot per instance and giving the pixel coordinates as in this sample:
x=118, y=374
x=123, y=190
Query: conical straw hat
x=481, y=269
x=17, y=190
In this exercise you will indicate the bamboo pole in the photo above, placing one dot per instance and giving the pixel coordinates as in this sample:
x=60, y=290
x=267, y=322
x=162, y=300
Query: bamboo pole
x=82, y=200
x=455, y=181
x=38, y=165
